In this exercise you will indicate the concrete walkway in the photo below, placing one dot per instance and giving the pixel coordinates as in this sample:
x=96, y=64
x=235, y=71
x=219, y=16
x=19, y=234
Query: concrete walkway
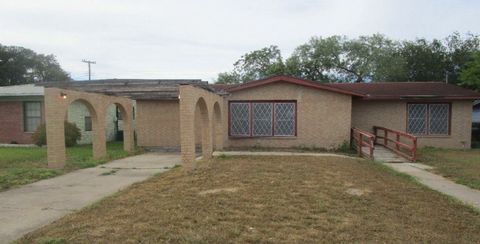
x=31, y=206
x=248, y=153
x=439, y=183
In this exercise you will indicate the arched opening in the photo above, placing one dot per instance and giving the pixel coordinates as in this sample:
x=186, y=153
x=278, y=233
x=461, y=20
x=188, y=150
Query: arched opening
x=217, y=128
x=116, y=120
x=202, y=129
x=82, y=115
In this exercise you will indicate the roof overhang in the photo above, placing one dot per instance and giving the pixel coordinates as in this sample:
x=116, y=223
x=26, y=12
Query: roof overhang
x=427, y=97
x=291, y=80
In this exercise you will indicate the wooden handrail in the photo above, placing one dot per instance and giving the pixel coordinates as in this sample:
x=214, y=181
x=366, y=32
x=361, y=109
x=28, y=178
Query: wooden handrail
x=411, y=150
x=362, y=139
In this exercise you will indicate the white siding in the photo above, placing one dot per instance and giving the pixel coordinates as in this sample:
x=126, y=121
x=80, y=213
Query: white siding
x=76, y=114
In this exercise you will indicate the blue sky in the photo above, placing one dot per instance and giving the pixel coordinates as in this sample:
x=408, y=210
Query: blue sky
x=199, y=39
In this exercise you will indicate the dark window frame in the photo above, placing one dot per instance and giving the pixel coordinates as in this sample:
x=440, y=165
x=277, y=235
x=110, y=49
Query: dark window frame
x=25, y=117
x=250, y=118
x=427, y=119
x=90, y=124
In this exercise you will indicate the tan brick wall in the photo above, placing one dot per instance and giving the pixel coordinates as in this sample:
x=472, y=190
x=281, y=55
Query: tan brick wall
x=392, y=114
x=197, y=119
x=158, y=124
x=323, y=117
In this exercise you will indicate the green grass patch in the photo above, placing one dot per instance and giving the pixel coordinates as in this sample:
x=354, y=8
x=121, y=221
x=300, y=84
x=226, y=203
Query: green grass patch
x=462, y=166
x=19, y=166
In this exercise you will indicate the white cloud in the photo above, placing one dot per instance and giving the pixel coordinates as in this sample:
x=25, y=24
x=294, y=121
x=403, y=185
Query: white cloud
x=198, y=39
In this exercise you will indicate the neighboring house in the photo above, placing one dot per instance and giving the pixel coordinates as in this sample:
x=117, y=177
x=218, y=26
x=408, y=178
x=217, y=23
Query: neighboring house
x=22, y=111
x=283, y=112
x=476, y=112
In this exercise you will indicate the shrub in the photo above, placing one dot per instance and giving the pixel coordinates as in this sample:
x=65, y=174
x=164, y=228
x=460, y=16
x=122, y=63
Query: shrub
x=345, y=148
x=72, y=135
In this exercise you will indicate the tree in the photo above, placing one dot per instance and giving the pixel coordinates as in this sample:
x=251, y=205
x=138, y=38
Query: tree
x=460, y=51
x=470, y=75
x=366, y=58
x=255, y=65
x=438, y=59
x=315, y=59
x=19, y=65
x=228, y=78
x=370, y=58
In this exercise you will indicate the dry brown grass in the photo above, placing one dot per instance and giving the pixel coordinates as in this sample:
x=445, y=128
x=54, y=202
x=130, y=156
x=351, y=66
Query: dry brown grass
x=271, y=200
x=462, y=166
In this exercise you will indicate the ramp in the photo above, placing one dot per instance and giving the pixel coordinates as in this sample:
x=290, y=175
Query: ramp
x=383, y=154
x=385, y=145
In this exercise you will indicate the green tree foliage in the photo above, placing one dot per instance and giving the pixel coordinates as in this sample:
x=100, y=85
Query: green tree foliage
x=470, y=75
x=20, y=65
x=366, y=58
x=315, y=59
x=370, y=58
x=72, y=135
x=255, y=65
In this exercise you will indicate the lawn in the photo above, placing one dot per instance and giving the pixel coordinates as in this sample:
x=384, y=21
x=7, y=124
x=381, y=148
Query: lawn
x=462, y=166
x=23, y=165
x=270, y=200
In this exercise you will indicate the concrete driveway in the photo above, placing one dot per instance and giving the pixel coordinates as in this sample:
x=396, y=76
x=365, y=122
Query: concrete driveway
x=31, y=206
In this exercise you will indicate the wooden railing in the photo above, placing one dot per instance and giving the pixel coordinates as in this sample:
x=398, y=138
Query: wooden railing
x=362, y=139
x=392, y=139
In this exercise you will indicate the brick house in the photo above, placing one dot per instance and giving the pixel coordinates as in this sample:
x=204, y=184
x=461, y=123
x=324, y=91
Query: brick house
x=276, y=112
x=283, y=111
x=22, y=111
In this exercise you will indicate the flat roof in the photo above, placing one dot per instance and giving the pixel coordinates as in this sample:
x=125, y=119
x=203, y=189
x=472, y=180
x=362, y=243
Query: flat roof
x=21, y=90
x=137, y=89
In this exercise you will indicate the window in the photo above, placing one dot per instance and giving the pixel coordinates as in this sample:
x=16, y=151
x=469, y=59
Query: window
x=88, y=123
x=240, y=119
x=118, y=113
x=284, y=119
x=32, y=116
x=428, y=119
x=260, y=118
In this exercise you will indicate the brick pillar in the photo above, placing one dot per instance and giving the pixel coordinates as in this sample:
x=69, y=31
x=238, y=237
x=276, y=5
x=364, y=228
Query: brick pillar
x=99, y=142
x=217, y=128
x=207, y=139
x=128, y=132
x=187, y=127
x=55, y=110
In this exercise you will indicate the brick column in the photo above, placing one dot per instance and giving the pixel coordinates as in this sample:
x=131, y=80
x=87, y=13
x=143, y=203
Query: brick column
x=128, y=134
x=55, y=110
x=187, y=127
x=217, y=127
x=207, y=138
x=99, y=142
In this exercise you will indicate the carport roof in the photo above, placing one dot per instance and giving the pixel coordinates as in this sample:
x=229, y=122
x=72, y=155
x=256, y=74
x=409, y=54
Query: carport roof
x=137, y=89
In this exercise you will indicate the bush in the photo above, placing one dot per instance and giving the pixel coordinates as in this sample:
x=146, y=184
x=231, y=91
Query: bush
x=72, y=135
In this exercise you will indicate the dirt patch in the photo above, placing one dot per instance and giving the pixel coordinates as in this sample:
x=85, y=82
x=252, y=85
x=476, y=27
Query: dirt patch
x=219, y=190
x=357, y=192
x=279, y=200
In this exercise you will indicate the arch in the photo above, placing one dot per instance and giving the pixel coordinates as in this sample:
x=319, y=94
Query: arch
x=99, y=146
x=196, y=100
x=57, y=102
x=126, y=125
x=202, y=127
x=217, y=129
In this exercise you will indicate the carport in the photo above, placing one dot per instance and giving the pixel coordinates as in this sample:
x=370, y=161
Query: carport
x=197, y=114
